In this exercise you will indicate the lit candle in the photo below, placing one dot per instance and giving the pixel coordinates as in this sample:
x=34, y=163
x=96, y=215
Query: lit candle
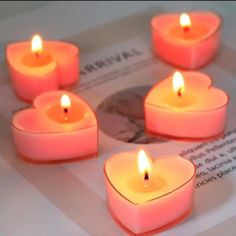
x=144, y=168
x=37, y=57
x=40, y=66
x=178, y=84
x=66, y=104
x=60, y=126
x=146, y=194
x=186, y=106
x=187, y=40
x=185, y=22
x=37, y=45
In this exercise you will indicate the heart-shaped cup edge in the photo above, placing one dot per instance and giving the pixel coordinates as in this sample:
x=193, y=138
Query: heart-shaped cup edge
x=202, y=39
x=37, y=109
x=153, y=199
x=186, y=110
x=52, y=65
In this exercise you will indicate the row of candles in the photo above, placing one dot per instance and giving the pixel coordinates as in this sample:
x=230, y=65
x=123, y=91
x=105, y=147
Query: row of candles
x=144, y=194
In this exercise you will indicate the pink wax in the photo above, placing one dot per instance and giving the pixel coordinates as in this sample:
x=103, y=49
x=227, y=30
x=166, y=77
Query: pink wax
x=57, y=66
x=191, y=48
x=45, y=133
x=141, y=208
x=199, y=113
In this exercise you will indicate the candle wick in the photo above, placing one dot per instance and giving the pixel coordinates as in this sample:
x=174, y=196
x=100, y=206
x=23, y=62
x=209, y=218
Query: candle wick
x=186, y=29
x=37, y=54
x=179, y=93
x=146, y=177
x=65, y=117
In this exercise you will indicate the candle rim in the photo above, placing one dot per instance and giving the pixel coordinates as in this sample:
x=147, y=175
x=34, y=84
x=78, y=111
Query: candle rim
x=196, y=110
x=210, y=86
x=155, y=198
x=13, y=124
x=16, y=48
x=93, y=121
x=189, y=42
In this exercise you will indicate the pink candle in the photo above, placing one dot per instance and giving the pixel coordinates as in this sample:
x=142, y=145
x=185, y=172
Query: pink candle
x=37, y=66
x=59, y=126
x=145, y=194
x=188, y=41
x=186, y=106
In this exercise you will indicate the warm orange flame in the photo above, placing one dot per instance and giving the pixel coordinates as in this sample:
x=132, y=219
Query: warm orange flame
x=178, y=83
x=185, y=21
x=65, y=102
x=36, y=44
x=143, y=162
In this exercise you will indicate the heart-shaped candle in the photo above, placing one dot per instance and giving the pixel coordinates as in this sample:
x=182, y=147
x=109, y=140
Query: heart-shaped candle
x=60, y=126
x=145, y=194
x=187, y=106
x=186, y=40
x=38, y=66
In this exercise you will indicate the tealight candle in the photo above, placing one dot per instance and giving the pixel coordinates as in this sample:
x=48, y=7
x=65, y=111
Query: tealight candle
x=59, y=127
x=187, y=40
x=38, y=66
x=186, y=106
x=146, y=194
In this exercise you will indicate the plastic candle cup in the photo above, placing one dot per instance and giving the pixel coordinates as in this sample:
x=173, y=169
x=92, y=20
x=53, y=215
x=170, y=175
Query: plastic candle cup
x=147, y=194
x=39, y=66
x=188, y=40
x=60, y=126
x=186, y=106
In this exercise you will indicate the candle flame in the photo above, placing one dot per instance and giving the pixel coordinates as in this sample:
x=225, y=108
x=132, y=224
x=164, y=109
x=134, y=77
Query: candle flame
x=185, y=21
x=65, y=102
x=178, y=83
x=36, y=44
x=143, y=163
